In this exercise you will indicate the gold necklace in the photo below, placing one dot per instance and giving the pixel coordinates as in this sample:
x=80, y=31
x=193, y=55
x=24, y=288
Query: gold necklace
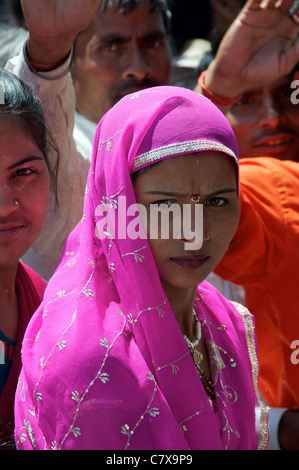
x=198, y=357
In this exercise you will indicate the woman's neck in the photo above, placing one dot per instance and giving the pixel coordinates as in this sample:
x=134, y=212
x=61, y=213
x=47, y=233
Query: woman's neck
x=182, y=301
x=8, y=301
x=8, y=276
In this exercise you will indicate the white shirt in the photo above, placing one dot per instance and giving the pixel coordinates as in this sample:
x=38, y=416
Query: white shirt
x=58, y=102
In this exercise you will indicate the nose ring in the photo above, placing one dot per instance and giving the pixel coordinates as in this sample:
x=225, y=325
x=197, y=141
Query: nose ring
x=207, y=237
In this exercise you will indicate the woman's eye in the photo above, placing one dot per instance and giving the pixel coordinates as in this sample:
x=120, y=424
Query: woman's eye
x=217, y=201
x=24, y=172
x=163, y=203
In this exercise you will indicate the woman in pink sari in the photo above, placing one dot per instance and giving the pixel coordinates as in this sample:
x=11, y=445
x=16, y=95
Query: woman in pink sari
x=131, y=347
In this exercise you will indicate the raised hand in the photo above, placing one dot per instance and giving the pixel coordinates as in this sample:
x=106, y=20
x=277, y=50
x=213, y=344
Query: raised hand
x=260, y=46
x=54, y=24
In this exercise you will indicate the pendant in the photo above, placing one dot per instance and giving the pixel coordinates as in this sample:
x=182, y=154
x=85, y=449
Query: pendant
x=197, y=357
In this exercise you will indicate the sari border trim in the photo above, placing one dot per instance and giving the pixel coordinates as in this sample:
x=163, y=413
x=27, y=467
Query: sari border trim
x=251, y=346
x=179, y=148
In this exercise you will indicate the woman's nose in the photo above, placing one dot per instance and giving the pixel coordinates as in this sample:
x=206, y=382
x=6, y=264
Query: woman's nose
x=8, y=202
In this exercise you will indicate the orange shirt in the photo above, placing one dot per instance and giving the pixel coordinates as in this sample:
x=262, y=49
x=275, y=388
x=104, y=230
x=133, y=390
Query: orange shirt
x=264, y=258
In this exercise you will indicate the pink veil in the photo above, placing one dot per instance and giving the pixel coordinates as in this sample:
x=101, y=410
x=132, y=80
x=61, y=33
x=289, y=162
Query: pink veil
x=105, y=365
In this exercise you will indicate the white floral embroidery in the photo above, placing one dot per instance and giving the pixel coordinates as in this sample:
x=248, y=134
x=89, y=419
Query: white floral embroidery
x=75, y=396
x=137, y=256
x=182, y=424
x=152, y=411
x=108, y=141
x=104, y=342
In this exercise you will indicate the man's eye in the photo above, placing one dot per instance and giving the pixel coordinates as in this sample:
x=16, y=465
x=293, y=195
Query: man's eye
x=244, y=102
x=153, y=43
x=110, y=47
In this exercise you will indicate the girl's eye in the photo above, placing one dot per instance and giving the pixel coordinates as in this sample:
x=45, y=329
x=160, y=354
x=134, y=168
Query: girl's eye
x=217, y=201
x=24, y=172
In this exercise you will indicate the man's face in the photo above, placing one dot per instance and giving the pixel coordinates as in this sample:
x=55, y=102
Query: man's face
x=119, y=54
x=266, y=122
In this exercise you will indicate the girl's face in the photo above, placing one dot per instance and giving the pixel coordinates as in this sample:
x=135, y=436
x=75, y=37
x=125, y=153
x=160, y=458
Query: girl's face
x=24, y=192
x=211, y=175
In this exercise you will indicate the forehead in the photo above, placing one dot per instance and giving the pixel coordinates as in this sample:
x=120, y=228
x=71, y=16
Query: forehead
x=139, y=20
x=206, y=168
x=16, y=144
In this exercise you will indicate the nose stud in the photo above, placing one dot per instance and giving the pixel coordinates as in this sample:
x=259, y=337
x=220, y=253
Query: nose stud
x=16, y=202
x=207, y=237
x=195, y=198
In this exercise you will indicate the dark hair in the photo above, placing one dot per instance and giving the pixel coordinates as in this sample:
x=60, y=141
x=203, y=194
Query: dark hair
x=126, y=6
x=19, y=104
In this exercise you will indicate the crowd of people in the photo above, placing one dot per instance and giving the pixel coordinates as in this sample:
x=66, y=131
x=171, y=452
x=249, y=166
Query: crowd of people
x=141, y=342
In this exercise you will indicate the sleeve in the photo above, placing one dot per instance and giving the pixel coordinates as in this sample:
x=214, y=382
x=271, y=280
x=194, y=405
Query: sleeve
x=259, y=242
x=58, y=101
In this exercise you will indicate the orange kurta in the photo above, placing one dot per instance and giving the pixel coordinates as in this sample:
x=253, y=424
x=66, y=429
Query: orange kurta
x=264, y=259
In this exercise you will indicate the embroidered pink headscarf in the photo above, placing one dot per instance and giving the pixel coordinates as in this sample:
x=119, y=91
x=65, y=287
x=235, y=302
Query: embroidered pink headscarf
x=105, y=365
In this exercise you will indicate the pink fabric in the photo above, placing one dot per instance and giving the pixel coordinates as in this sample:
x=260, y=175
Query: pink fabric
x=105, y=365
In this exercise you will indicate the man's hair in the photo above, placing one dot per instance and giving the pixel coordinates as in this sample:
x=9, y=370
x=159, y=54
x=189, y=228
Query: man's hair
x=126, y=6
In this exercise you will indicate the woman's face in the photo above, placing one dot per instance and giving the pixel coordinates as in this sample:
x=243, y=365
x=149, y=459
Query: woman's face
x=24, y=192
x=211, y=175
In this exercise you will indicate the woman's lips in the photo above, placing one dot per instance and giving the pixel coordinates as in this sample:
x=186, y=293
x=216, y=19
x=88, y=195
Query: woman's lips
x=10, y=231
x=190, y=262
